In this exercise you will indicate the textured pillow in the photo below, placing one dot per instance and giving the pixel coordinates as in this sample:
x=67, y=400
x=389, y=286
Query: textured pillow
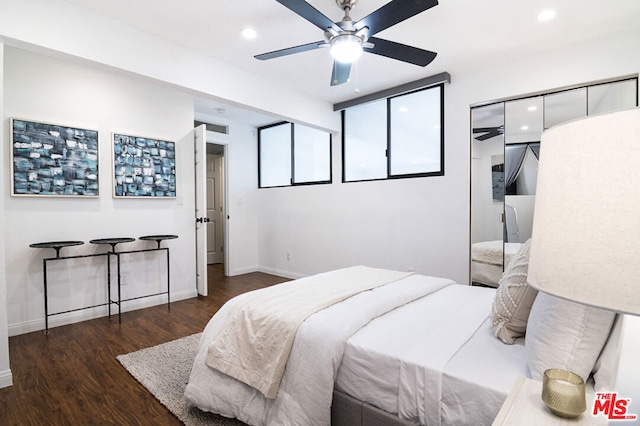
x=514, y=298
x=566, y=335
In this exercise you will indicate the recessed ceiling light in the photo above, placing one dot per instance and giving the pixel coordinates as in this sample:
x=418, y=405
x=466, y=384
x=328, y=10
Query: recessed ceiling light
x=249, y=33
x=532, y=108
x=525, y=127
x=403, y=109
x=546, y=15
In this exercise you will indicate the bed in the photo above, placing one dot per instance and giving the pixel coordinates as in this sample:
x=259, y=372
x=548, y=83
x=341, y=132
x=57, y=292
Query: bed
x=487, y=259
x=404, y=351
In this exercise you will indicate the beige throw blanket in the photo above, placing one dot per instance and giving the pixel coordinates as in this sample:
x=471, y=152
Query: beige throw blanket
x=256, y=339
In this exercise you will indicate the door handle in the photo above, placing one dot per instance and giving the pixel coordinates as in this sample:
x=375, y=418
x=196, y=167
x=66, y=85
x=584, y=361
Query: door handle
x=203, y=220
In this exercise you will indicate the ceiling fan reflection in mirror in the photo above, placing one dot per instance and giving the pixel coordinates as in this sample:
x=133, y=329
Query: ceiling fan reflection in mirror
x=347, y=39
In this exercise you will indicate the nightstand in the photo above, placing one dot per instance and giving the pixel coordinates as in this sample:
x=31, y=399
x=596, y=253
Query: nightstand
x=524, y=407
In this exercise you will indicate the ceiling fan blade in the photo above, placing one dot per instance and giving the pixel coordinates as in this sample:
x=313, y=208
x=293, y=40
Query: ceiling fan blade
x=309, y=13
x=290, y=50
x=489, y=132
x=392, y=13
x=401, y=52
x=340, y=73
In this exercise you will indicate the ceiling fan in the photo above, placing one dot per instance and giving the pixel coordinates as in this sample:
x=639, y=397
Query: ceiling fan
x=348, y=39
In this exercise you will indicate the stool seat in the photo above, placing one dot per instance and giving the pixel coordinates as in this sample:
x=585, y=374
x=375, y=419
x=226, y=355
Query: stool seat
x=57, y=245
x=158, y=237
x=112, y=240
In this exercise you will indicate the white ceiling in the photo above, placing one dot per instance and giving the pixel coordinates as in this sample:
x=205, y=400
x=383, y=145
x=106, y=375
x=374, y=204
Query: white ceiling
x=465, y=33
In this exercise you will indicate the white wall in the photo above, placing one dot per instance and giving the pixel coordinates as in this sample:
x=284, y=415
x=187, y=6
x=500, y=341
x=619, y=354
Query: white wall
x=398, y=224
x=41, y=88
x=5, y=372
x=35, y=23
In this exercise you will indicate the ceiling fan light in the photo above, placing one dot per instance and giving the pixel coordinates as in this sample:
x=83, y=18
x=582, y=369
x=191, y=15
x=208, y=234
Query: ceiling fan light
x=346, y=48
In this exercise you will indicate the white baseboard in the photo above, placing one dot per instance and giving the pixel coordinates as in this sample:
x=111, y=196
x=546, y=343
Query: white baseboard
x=245, y=270
x=99, y=312
x=281, y=273
x=6, y=379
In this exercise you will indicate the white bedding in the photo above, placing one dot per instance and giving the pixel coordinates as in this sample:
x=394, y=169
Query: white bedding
x=502, y=364
x=487, y=252
x=258, y=333
x=421, y=362
x=305, y=393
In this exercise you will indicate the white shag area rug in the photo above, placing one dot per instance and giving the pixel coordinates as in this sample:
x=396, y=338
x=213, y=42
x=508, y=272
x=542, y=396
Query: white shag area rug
x=164, y=370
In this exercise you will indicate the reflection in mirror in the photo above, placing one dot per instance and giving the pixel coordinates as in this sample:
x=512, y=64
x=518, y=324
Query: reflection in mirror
x=487, y=193
x=564, y=106
x=612, y=96
x=521, y=168
x=524, y=124
x=523, y=120
x=505, y=147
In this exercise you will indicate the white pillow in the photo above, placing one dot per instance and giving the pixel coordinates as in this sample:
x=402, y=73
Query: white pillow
x=514, y=298
x=606, y=368
x=566, y=335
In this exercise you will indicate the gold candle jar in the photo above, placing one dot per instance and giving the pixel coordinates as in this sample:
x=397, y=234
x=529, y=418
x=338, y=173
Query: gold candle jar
x=564, y=393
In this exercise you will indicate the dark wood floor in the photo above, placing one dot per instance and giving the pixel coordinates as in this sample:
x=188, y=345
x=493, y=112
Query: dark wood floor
x=72, y=377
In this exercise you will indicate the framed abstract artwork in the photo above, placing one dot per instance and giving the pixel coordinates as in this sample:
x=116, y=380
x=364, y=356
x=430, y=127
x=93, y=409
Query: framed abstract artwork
x=143, y=167
x=53, y=160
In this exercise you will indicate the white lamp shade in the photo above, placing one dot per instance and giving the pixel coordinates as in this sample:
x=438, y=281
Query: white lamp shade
x=586, y=226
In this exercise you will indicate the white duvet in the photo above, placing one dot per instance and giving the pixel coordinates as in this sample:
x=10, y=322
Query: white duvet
x=259, y=330
x=305, y=393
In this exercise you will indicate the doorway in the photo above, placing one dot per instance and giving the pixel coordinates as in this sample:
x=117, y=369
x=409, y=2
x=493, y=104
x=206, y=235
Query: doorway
x=215, y=203
x=209, y=213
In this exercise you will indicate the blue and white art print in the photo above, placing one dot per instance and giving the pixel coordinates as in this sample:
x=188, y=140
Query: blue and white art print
x=53, y=160
x=143, y=167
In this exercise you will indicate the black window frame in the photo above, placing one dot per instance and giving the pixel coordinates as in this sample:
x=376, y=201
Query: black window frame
x=389, y=152
x=292, y=181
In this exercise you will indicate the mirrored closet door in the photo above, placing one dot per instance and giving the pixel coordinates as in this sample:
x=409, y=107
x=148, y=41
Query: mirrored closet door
x=505, y=146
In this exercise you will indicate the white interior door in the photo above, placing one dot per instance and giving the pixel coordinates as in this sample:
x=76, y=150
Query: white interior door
x=200, y=150
x=215, y=209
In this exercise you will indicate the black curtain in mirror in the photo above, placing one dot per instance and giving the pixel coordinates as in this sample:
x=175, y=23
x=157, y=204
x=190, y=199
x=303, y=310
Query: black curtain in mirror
x=513, y=159
x=515, y=155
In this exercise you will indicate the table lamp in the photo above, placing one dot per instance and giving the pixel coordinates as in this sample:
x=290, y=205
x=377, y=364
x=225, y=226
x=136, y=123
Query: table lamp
x=586, y=228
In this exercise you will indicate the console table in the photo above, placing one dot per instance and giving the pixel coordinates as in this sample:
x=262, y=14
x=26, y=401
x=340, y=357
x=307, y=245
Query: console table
x=113, y=242
x=58, y=245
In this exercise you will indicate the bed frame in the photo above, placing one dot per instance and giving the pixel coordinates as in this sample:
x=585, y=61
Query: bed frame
x=348, y=411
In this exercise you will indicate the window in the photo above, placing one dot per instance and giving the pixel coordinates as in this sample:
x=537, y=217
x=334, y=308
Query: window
x=292, y=154
x=275, y=155
x=397, y=137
